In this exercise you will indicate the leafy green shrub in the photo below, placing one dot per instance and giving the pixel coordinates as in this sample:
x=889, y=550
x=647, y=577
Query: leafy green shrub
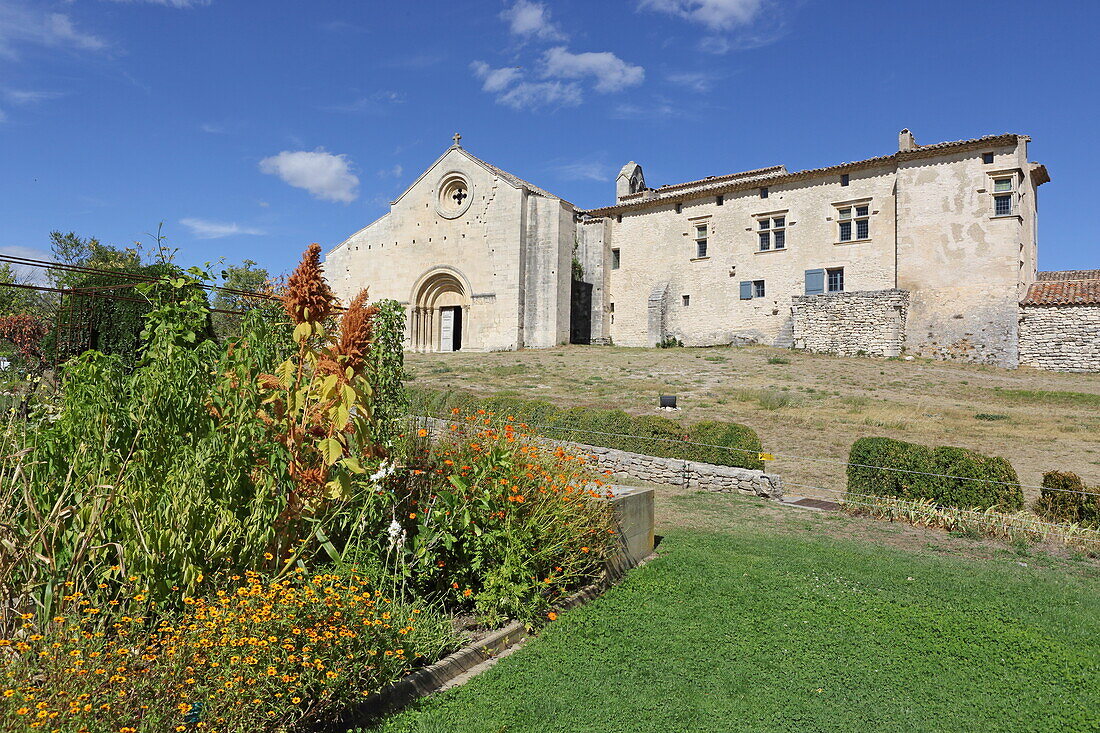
x=1065, y=498
x=778, y=360
x=743, y=439
x=992, y=480
x=653, y=435
x=949, y=476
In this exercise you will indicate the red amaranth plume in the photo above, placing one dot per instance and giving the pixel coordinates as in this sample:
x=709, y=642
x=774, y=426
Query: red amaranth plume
x=308, y=298
x=356, y=332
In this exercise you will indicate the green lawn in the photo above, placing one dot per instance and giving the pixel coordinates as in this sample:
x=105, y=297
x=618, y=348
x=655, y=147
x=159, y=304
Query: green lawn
x=767, y=620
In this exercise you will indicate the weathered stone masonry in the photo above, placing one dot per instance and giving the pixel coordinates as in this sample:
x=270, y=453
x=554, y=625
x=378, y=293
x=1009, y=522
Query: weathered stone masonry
x=868, y=322
x=1060, y=322
x=689, y=474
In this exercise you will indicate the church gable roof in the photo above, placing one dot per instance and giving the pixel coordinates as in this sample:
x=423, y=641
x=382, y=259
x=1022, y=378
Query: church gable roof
x=511, y=180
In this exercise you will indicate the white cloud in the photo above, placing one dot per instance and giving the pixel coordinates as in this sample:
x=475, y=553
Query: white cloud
x=25, y=96
x=535, y=95
x=325, y=175
x=661, y=109
x=529, y=19
x=735, y=25
x=394, y=172
x=207, y=229
x=28, y=273
x=718, y=15
x=376, y=103
x=20, y=25
x=611, y=73
x=696, y=82
x=513, y=91
x=495, y=80
x=583, y=171
x=168, y=3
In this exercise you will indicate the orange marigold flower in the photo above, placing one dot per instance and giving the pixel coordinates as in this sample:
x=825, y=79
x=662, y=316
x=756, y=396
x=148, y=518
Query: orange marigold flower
x=422, y=433
x=552, y=616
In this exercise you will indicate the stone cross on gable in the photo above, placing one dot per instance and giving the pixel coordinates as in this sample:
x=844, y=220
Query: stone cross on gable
x=457, y=138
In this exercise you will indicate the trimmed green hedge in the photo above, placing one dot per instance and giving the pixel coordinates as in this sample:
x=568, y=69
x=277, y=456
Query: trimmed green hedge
x=653, y=435
x=1058, y=500
x=949, y=476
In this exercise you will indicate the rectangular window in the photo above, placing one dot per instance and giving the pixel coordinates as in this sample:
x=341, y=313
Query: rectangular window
x=764, y=193
x=615, y=259
x=779, y=232
x=687, y=300
x=853, y=220
x=835, y=279
x=746, y=290
x=844, y=179
x=701, y=240
x=987, y=158
x=1004, y=195
x=679, y=208
x=719, y=200
x=772, y=233
x=758, y=288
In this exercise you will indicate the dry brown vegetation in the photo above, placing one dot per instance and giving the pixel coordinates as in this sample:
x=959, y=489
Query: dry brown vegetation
x=810, y=405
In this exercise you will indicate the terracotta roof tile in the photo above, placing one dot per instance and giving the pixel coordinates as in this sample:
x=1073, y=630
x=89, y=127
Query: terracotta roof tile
x=1063, y=292
x=1052, y=275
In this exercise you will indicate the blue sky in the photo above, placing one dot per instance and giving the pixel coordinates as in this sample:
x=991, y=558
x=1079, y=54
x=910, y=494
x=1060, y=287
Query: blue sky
x=253, y=128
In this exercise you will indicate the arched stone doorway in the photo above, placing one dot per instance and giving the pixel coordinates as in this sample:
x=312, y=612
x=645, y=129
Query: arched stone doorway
x=440, y=316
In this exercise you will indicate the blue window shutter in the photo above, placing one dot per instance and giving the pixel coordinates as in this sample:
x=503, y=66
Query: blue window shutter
x=815, y=282
x=746, y=290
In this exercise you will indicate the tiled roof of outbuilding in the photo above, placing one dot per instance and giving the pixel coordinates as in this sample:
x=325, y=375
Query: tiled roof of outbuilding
x=1063, y=292
x=1052, y=275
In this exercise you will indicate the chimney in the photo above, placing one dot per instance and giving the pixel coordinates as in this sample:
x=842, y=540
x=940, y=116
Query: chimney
x=906, y=141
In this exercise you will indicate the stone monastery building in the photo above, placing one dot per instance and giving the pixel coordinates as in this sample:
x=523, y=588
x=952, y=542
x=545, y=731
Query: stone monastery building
x=930, y=250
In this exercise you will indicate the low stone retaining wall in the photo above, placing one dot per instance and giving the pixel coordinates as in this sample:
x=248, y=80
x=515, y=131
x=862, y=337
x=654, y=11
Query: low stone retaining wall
x=677, y=472
x=674, y=471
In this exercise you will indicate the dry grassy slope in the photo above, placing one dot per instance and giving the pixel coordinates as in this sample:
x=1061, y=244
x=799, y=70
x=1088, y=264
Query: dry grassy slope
x=813, y=406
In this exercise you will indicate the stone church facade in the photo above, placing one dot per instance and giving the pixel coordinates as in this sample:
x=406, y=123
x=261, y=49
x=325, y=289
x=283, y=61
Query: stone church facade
x=929, y=249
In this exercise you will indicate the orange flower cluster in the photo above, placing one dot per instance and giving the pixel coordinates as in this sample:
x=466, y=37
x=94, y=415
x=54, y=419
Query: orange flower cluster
x=261, y=656
x=308, y=298
x=494, y=485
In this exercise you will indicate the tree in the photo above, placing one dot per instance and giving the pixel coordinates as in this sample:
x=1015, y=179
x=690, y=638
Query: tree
x=72, y=249
x=247, y=278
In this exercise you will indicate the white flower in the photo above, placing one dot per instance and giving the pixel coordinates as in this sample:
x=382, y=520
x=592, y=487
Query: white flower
x=384, y=470
x=394, y=530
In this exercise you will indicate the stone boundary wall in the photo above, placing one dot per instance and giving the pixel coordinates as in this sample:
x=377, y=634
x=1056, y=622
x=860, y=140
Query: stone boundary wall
x=672, y=471
x=868, y=322
x=1060, y=338
x=678, y=472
